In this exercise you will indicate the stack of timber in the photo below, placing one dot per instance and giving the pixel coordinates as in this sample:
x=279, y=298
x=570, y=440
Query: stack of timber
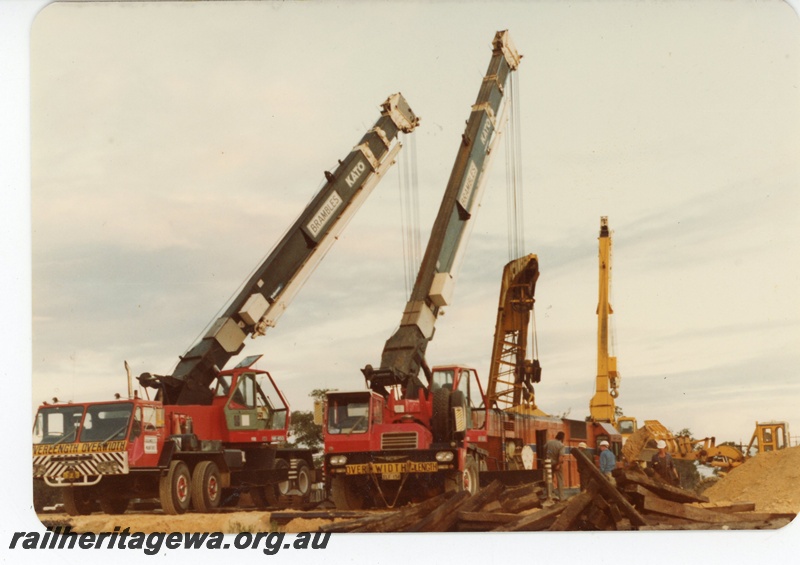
x=493, y=506
x=636, y=502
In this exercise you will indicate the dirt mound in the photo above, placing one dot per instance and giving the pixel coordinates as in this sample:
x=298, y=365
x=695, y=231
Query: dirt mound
x=771, y=480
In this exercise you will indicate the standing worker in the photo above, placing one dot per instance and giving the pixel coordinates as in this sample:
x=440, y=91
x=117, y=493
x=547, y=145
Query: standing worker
x=554, y=452
x=608, y=462
x=664, y=466
x=583, y=471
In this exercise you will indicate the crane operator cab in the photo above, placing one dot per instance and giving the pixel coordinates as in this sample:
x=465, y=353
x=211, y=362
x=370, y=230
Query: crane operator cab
x=250, y=399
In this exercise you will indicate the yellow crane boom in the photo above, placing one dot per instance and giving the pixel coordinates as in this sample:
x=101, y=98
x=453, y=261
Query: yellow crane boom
x=602, y=407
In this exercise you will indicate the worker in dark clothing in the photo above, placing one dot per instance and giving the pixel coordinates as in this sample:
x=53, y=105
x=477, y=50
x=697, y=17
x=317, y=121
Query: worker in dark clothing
x=664, y=466
x=583, y=472
x=554, y=452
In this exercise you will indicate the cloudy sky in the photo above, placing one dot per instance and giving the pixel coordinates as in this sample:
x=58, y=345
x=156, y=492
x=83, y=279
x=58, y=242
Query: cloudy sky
x=173, y=144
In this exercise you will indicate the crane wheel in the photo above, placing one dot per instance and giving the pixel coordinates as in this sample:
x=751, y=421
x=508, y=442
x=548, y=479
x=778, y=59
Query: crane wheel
x=470, y=479
x=345, y=495
x=206, y=487
x=281, y=488
x=78, y=501
x=467, y=480
x=269, y=495
x=302, y=475
x=175, y=489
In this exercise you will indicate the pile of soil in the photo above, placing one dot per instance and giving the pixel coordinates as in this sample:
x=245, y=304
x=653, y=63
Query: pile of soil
x=771, y=480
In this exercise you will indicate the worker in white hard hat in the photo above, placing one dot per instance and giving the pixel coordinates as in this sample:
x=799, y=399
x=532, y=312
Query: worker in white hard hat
x=663, y=466
x=608, y=461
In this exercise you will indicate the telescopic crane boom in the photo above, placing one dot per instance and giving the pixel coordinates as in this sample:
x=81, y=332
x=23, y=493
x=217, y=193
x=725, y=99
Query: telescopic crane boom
x=275, y=282
x=602, y=407
x=404, y=353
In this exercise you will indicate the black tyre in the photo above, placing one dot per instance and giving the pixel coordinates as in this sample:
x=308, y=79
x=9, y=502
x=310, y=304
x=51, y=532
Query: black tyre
x=467, y=479
x=113, y=505
x=471, y=476
x=345, y=496
x=303, y=477
x=206, y=487
x=175, y=489
x=78, y=501
x=270, y=494
x=440, y=420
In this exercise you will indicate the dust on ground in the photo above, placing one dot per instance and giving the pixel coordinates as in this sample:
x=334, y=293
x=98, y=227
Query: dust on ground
x=771, y=480
x=150, y=522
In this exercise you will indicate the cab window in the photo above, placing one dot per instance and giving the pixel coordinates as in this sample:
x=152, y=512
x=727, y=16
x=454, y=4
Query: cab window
x=442, y=379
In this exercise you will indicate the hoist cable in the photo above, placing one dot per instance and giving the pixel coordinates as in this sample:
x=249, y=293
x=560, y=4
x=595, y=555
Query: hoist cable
x=404, y=205
x=415, y=208
x=514, y=192
x=409, y=212
x=517, y=120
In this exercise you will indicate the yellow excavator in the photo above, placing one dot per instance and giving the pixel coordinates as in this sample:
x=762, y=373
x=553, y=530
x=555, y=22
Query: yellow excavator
x=768, y=436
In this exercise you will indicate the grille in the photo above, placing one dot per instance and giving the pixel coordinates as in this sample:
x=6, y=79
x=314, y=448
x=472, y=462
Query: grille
x=86, y=464
x=399, y=440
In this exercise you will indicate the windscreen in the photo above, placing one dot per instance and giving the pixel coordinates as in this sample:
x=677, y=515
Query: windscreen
x=57, y=424
x=348, y=414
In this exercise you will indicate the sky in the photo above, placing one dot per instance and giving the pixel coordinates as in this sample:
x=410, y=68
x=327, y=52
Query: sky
x=172, y=144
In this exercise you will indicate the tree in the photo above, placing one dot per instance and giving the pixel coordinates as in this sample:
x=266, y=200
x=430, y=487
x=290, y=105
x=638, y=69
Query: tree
x=303, y=432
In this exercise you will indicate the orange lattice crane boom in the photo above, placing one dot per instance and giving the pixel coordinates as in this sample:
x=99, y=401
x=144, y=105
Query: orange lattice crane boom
x=512, y=374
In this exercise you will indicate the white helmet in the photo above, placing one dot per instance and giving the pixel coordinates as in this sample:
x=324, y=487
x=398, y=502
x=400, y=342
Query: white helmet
x=661, y=444
x=603, y=443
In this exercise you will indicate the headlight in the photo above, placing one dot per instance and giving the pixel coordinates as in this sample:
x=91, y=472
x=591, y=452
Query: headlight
x=107, y=467
x=338, y=460
x=444, y=456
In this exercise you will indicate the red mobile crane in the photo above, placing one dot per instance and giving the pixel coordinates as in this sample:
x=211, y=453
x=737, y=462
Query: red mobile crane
x=403, y=438
x=210, y=432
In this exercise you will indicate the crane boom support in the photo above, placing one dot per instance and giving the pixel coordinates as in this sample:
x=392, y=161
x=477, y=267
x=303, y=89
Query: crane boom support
x=404, y=353
x=274, y=283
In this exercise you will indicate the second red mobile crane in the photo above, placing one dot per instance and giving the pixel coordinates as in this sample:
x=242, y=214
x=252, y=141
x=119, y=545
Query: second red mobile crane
x=407, y=438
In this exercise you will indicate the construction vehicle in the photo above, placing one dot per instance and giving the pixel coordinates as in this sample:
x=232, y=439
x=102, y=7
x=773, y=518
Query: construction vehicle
x=767, y=436
x=637, y=443
x=403, y=438
x=211, y=434
x=641, y=446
